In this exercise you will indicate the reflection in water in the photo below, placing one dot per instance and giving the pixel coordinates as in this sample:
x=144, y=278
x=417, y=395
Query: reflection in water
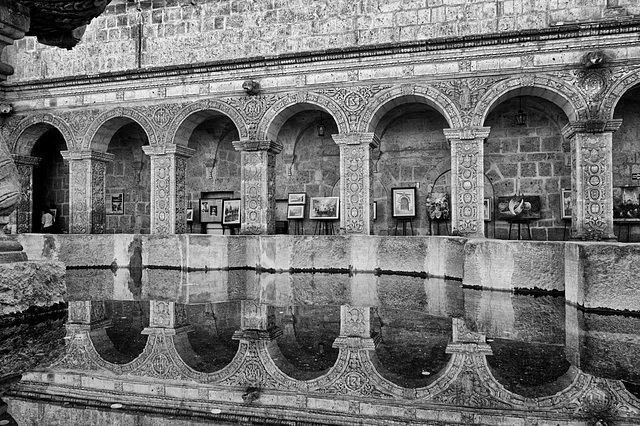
x=359, y=349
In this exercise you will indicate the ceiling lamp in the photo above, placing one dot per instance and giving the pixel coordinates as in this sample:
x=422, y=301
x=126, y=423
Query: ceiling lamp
x=320, y=127
x=521, y=116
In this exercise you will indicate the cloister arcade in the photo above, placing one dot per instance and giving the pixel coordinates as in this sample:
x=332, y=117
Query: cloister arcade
x=456, y=136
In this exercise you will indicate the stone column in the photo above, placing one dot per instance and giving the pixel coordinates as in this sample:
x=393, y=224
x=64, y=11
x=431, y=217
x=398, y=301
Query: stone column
x=356, y=181
x=467, y=179
x=257, y=188
x=87, y=171
x=22, y=217
x=168, y=196
x=592, y=178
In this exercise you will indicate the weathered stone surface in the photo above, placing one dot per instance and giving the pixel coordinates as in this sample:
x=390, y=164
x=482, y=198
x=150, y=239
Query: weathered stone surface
x=24, y=284
x=603, y=275
x=511, y=264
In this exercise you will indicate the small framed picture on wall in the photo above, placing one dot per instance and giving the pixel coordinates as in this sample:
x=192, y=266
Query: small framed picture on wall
x=211, y=210
x=566, y=204
x=297, y=198
x=189, y=214
x=114, y=202
x=488, y=209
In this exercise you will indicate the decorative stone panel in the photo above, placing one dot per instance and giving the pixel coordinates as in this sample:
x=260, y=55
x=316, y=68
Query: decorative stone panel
x=592, y=178
x=257, y=189
x=467, y=179
x=23, y=216
x=86, y=190
x=356, y=181
x=168, y=177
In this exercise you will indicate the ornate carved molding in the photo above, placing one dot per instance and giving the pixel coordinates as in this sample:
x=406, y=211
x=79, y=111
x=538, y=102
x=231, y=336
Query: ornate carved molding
x=590, y=126
x=274, y=147
x=136, y=114
x=357, y=138
x=87, y=155
x=23, y=146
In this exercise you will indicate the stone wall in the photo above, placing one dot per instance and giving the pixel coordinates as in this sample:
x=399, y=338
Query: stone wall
x=170, y=32
x=532, y=159
x=129, y=173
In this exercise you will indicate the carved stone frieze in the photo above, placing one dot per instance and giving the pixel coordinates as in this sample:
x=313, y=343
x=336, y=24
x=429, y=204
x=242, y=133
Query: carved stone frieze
x=80, y=120
x=353, y=101
x=18, y=144
x=98, y=210
x=24, y=210
x=617, y=90
x=137, y=114
x=465, y=93
x=593, y=83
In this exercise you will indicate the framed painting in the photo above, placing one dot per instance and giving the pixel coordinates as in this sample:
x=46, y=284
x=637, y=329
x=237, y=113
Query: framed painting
x=295, y=211
x=324, y=208
x=566, y=204
x=375, y=210
x=626, y=203
x=211, y=210
x=297, y=198
x=519, y=207
x=231, y=211
x=115, y=202
x=189, y=214
x=488, y=209
x=404, y=202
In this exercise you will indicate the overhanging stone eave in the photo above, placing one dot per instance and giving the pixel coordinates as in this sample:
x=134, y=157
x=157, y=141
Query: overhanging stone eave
x=554, y=33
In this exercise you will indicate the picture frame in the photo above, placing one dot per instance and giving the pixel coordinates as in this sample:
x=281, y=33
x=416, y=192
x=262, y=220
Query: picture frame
x=231, y=211
x=488, y=209
x=189, y=214
x=211, y=210
x=438, y=206
x=403, y=201
x=375, y=210
x=114, y=202
x=519, y=207
x=566, y=206
x=297, y=198
x=626, y=203
x=295, y=212
x=324, y=208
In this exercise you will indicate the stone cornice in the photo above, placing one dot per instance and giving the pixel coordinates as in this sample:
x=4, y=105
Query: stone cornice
x=87, y=155
x=254, y=145
x=26, y=160
x=590, y=126
x=467, y=133
x=559, y=32
x=357, y=139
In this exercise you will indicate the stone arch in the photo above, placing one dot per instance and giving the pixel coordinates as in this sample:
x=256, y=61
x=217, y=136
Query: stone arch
x=551, y=89
x=384, y=101
x=617, y=91
x=23, y=138
x=189, y=117
x=106, y=124
x=293, y=103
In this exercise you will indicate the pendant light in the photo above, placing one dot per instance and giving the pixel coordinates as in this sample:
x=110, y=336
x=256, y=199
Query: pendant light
x=521, y=116
x=320, y=127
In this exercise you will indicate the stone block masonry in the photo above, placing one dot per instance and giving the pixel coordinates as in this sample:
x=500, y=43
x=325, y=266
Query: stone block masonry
x=163, y=33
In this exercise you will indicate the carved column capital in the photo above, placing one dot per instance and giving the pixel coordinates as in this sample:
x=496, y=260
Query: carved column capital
x=257, y=322
x=26, y=160
x=590, y=126
x=178, y=150
x=273, y=147
x=87, y=155
x=356, y=138
x=467, y=133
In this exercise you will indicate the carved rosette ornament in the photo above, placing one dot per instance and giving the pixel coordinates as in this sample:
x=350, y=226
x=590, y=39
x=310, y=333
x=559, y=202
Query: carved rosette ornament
x=356, y=181
x=86, y=190
x=168, y=174
x=257, y=190
x=592, y=178
x=467, y=177
x=23, y=215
